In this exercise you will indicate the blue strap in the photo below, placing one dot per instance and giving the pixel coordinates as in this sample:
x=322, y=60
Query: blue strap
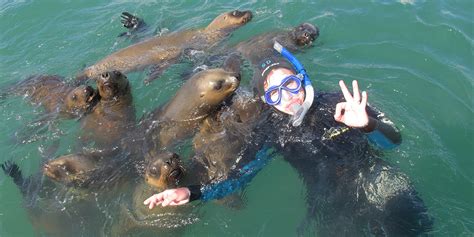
x=377, y=138
x=244, y=175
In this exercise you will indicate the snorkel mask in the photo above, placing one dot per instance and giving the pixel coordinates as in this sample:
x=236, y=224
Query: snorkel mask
x=292, y=84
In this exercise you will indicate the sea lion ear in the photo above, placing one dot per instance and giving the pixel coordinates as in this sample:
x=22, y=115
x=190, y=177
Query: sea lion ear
x=232, y=63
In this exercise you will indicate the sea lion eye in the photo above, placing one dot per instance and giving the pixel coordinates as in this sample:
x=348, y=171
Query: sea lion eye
x=74, y=97
x=64, y=169
x=234, y=13
x=218, y=85
x=153, y=170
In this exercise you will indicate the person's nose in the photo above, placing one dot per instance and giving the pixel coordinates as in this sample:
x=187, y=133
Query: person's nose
x=286, y=96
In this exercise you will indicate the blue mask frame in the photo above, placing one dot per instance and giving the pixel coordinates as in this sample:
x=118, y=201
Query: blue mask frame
x=280, y=87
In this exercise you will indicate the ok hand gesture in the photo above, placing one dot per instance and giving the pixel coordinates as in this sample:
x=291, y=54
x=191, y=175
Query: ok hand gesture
x=352, y=112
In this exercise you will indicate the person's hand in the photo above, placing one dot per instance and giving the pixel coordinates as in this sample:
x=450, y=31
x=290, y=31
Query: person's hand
x=169, y=197
x=352, y=112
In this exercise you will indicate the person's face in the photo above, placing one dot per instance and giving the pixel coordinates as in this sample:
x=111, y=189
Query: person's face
x=288, y=99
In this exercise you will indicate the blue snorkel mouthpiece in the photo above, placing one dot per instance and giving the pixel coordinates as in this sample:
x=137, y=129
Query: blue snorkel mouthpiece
x=300, y=111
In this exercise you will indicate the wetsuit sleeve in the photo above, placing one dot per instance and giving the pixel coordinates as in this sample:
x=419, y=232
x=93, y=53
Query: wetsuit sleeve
x=381, y=131
x=238, y=178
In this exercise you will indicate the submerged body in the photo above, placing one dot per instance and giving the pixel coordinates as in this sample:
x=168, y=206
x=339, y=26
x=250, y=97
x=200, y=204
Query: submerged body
x=113, y=118
x=164, y=170
x=52, y=209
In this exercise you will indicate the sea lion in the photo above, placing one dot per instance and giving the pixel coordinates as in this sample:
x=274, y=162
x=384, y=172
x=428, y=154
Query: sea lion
x=91, y=173
x=261, y=46
x=220, y=141
x=162, y=51
x=53, y=210
x=78, y=170
x=114, y=116
x=197, y=98
x=220, y=144
x=58, y=98
x=163, y=171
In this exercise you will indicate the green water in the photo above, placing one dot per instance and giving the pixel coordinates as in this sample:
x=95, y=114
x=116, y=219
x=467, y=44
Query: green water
x=415, y=59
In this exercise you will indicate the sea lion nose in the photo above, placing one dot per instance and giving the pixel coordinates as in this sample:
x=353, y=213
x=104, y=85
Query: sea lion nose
x=237, y=76
x=249, y=15
x=105, y=75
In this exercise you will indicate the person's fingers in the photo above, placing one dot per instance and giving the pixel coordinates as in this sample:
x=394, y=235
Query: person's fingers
x=345, y=91
x=169, y=198
x=355, y=90
x=154, y=200
x=338, y=114
x=148, y=200
x=363, y=103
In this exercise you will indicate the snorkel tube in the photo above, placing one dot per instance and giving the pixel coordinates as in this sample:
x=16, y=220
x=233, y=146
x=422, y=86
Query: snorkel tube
x=308, y=101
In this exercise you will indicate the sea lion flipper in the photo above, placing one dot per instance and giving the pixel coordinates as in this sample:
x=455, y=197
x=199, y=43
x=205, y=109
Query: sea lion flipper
x=13, y=170
x=130, y=21
x=133, y=23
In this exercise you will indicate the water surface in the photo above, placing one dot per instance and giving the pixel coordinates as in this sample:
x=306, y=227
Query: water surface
x=415, y=59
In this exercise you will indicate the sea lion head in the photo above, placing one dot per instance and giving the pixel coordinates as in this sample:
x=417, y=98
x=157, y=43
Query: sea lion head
x=80, y=100
x=73, y=169
x=164, y=170
x=305, y=34
x=111, y=85
x=230, y=20
x=215, y=85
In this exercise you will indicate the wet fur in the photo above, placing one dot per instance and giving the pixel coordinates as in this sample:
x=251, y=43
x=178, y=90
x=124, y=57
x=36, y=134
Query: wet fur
x=163, y=51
